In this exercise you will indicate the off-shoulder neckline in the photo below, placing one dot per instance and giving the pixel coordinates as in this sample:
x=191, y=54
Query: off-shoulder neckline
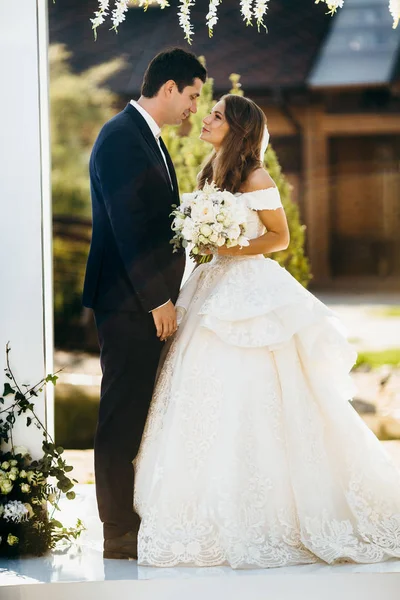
x=257, y=191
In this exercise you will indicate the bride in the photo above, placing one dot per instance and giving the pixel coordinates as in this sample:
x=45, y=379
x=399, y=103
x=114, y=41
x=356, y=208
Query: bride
x=252, y=455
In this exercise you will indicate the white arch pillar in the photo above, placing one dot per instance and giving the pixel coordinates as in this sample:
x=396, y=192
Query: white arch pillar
x=26, y=305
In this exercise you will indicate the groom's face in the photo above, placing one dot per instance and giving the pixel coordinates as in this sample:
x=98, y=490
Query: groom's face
x=181, y=104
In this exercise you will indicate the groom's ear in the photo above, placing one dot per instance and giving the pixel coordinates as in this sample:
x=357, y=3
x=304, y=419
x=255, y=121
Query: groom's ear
x=169, y=87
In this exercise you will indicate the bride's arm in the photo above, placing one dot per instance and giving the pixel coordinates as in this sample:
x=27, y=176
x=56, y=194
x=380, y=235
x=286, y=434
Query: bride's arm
x=276, y=238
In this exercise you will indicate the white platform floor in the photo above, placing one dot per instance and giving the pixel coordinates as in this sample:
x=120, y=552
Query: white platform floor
x=80, y=572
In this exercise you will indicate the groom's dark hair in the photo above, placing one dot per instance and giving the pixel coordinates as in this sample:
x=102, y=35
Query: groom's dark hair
x=175, y=64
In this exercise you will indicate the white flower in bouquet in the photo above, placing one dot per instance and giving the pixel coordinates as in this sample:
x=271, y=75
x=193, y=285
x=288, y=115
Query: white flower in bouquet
x=13, y=463
x=209, y=218
x=25, y=488
x=15, y=511
x=220, y=241
x=12, y=540
x=13, y=474
x=3, y=475
x=5, y=465
x=6, y=486
x=23, y=474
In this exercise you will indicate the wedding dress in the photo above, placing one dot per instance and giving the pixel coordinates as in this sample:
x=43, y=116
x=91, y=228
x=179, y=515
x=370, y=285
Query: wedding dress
x=253, y=456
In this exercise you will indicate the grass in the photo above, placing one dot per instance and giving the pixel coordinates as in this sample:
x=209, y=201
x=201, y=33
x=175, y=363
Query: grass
x=378, y=358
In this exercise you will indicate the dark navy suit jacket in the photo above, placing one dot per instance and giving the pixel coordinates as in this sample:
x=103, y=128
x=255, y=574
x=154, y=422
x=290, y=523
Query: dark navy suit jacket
x=131, y=266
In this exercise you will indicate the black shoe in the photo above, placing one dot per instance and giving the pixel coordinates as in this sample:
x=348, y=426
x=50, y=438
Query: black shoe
x=122, y=547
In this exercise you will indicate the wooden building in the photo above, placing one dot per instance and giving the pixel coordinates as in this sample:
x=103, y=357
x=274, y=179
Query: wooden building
x=330, y=88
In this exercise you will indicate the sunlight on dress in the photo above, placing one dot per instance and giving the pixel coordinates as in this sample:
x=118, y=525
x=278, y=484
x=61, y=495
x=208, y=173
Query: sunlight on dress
x=252, y=455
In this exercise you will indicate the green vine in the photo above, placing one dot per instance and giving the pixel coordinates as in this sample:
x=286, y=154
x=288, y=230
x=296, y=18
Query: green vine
x=27, y=486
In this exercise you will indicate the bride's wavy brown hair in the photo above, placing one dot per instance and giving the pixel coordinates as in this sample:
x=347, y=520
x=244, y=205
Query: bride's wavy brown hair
x=239, y=154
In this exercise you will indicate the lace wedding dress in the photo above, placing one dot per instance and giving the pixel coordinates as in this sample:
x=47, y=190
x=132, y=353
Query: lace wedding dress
x=252, y=455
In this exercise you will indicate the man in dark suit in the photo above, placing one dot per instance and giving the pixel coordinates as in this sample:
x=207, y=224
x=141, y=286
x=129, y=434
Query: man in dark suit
x=133, y=277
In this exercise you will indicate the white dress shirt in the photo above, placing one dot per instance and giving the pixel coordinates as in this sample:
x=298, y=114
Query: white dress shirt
x=156, y=131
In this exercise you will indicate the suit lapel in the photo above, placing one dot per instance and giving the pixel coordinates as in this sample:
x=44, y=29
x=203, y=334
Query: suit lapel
x=171, y=168
x=149, y=139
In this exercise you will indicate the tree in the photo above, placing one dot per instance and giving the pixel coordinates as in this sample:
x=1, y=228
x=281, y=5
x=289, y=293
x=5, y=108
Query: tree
x=80, y=105
x=188, y=153
x=253, y=11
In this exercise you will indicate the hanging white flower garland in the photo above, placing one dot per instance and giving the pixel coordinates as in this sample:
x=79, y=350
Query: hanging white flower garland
x=250, y=9
x=394, y=8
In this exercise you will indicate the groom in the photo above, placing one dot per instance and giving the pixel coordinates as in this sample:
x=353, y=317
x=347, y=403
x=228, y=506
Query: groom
x=132, y=277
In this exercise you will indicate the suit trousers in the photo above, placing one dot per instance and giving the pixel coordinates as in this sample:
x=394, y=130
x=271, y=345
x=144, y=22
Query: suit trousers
x=129, y=354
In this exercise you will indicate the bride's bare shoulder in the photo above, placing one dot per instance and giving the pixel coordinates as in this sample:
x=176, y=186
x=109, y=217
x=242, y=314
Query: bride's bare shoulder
x=259, y=179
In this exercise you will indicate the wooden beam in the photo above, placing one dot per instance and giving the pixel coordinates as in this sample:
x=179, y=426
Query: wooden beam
x=360, y=124
x=278, y=124
x=316, y=192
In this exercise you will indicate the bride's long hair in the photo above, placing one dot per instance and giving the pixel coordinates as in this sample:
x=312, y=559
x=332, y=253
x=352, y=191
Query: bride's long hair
x=239, y=153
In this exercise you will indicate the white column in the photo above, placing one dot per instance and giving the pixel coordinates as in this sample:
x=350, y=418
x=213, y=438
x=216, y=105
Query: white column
x=26, y=306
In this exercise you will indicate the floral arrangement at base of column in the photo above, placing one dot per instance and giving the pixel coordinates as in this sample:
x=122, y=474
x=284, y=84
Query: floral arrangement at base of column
x=30, y=490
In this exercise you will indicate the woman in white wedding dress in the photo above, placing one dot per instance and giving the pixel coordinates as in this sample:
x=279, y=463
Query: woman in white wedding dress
x=252, y=455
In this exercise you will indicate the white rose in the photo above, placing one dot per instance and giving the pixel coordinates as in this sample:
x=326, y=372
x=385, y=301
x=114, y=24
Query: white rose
x=25, y=488
x=213, y=238
x=228, y=196
x=221, y=240
x=21, y=450
x=3, y=475
x=13, y=474
x=6, y=486
x=234, y=232
x=22, y=474
x=206, y=230
x=243, y=241
x=204, y=212
x=5, y=465
x=220, y=218
x=13, y=463
x=188, y=230
x=202, y=239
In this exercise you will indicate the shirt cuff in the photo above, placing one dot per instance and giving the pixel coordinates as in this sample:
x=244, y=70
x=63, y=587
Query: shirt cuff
x=160, y=305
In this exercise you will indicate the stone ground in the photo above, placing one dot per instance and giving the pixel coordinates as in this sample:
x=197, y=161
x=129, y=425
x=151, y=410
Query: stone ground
x=369, y=327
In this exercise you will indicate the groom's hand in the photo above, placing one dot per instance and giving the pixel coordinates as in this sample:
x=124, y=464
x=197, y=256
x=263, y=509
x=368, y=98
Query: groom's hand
x=165, y=320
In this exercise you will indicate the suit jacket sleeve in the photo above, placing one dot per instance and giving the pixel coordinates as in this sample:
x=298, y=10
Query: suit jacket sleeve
x=121, y=168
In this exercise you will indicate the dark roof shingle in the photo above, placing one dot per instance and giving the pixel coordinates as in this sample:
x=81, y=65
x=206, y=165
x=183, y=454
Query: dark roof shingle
x=282, y=57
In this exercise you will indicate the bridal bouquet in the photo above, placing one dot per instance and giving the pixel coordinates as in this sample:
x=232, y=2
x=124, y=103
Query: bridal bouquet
x=208, y=219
